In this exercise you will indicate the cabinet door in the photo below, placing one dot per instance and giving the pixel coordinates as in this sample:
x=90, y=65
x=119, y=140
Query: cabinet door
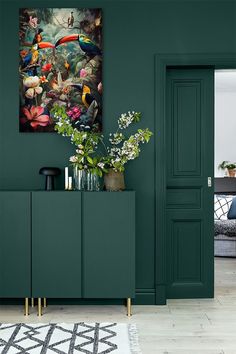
x=56, y=244
x=15, y=244
x=108, y=244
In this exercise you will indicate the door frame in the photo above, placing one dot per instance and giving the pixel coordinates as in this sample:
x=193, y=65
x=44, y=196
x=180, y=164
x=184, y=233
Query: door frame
x=162, y=62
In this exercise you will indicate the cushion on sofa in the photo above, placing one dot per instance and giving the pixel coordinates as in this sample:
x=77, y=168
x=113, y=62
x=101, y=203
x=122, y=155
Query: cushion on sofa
x=225, y=227
x=232, y=210
x=222, y=204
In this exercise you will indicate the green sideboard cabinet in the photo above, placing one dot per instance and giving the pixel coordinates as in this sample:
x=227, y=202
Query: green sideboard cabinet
x=56, y=244
x=108, y=245
x=67, y=245
x=15, y=244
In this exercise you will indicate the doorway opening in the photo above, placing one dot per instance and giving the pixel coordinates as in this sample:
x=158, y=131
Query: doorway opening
x=225, y=181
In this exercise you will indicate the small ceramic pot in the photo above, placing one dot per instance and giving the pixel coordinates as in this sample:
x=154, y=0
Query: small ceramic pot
x=231, y=172
x=114, y=181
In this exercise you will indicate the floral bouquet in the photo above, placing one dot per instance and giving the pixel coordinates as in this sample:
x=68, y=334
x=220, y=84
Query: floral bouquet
x=87, y=141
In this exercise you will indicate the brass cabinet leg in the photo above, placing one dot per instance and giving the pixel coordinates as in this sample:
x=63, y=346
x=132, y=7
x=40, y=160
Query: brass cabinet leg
x=39, y=307
x=26, y=306
x=44, y=302
x=129, y=307
x=32, y=302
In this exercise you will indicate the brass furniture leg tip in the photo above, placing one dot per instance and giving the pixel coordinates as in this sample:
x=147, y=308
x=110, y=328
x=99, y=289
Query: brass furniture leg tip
x=129, y=313
x=39, y=307
x=26, y=306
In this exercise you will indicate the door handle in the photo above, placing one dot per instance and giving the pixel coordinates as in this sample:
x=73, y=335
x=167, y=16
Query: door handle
x=209, y=183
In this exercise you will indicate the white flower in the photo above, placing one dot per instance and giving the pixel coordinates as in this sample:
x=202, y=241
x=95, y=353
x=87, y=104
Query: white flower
x=73, y=159
x=38, y=90
x=127, y=118
x=30, y=93
x=31, y=81
x=80, y=152
x=101, y=164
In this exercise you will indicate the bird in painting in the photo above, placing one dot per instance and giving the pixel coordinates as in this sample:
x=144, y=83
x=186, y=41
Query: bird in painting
x=30, y=60
x=38, y=37
x=70, y=20
x=85, y=43
x=86, y=96
x=66, y=65
x=88, y=118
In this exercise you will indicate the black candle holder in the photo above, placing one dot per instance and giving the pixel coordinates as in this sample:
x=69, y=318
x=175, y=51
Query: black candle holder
x=50, y=173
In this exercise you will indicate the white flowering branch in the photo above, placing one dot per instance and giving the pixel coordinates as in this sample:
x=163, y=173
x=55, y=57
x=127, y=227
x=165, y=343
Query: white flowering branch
x=125, y=149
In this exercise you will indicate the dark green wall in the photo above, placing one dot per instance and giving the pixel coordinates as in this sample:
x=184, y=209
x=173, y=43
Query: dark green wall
x=133, y=33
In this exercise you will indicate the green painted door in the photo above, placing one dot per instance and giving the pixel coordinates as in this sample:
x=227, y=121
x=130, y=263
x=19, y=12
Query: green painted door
x=56, y=244
x=189, y=163
x=15, y=244
x=108, y=244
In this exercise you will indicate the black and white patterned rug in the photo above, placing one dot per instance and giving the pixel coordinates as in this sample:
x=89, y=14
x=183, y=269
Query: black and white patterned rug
x=68, y=338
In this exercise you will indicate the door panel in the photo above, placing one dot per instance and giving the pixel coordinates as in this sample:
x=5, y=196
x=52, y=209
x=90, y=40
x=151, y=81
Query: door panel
x=15, y=244
x=186, y=131
x=109, y=252
x=189, y=208
x=56, y=244
x=183, y=198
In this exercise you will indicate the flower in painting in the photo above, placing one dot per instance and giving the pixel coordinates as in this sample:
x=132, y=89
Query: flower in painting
x=32, y=92
x=23, y=53
x=31, y=81
x=83, y=73
x=43, y=79
x=33, y=88
x=100, y=88
x=35, y=116
x=46, y=67
x=33, y=22
x=74, y=113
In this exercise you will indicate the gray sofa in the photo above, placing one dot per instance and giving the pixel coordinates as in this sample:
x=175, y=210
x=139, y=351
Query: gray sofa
x=225, y=230
x=225, y=238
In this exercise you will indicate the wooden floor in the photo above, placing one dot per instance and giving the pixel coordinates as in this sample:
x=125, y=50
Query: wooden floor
x=181, y=327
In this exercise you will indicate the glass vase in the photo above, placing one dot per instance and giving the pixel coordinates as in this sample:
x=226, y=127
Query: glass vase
x=79, y=179
x=92, y=182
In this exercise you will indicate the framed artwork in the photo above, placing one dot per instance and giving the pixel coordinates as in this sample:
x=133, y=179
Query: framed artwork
x=60, y=63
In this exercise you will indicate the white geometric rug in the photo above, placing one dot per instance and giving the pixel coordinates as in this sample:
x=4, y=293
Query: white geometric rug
x=68, y=338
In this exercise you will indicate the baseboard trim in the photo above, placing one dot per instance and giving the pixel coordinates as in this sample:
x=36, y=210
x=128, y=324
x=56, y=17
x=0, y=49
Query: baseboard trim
x=160, y=295
x=144, y=297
